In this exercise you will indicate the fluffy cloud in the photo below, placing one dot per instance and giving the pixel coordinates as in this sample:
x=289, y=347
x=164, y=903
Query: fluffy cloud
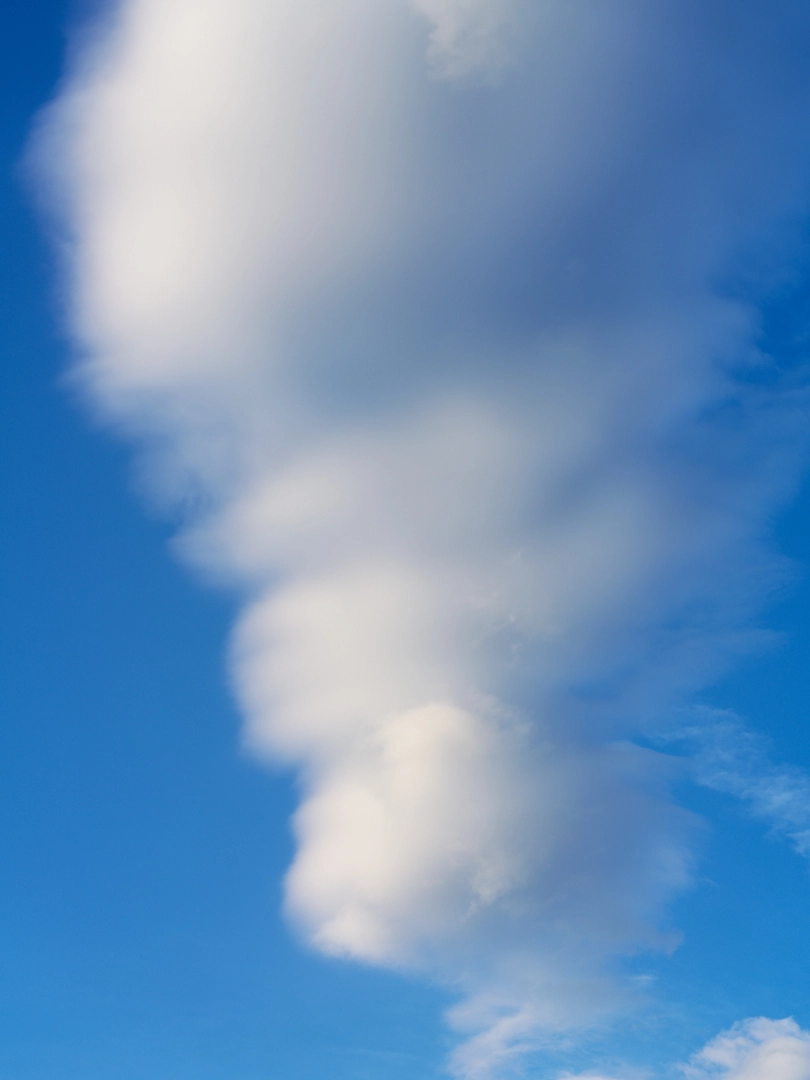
x=441, y=320
x=755, y=1050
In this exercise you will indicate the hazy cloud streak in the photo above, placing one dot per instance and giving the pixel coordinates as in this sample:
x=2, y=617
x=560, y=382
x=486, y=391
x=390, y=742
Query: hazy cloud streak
x=727, y=756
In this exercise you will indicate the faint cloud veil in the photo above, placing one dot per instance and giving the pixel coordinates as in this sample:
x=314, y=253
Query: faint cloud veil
x=472, y=38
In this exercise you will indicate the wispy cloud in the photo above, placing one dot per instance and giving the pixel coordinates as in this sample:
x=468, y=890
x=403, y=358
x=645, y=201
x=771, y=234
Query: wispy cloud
x=730, y=757
x=445, y=314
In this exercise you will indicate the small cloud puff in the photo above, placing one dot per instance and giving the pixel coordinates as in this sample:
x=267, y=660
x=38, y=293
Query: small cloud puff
x=757, y=1049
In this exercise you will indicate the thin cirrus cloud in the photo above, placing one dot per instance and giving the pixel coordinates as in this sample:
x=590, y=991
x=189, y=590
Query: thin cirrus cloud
x=729, y=757
x=443, y=317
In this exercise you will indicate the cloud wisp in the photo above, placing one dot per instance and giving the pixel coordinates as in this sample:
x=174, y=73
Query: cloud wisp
x=729, y=757
x=441, y=319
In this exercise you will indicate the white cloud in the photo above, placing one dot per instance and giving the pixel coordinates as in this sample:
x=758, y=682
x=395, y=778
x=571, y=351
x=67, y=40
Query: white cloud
x=445, y=365
x=757, y=1049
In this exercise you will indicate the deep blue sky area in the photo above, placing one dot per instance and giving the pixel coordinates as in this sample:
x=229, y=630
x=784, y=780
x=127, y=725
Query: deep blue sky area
x=141, y=853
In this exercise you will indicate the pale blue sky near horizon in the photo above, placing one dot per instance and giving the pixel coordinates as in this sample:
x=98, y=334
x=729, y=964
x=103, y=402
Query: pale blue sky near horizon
x=142, y=851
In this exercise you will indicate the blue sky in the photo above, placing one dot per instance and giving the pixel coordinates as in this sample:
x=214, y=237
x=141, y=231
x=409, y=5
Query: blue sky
x=144, y=847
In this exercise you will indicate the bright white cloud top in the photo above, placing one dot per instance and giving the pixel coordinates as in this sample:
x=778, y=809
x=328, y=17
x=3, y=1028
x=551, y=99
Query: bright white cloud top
x=441, y=316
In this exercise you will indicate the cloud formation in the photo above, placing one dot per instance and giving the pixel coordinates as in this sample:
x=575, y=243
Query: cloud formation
x=757, y=1049
x=441, y=319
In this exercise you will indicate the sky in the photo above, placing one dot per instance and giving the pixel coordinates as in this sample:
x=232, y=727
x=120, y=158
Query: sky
x=405, y=540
